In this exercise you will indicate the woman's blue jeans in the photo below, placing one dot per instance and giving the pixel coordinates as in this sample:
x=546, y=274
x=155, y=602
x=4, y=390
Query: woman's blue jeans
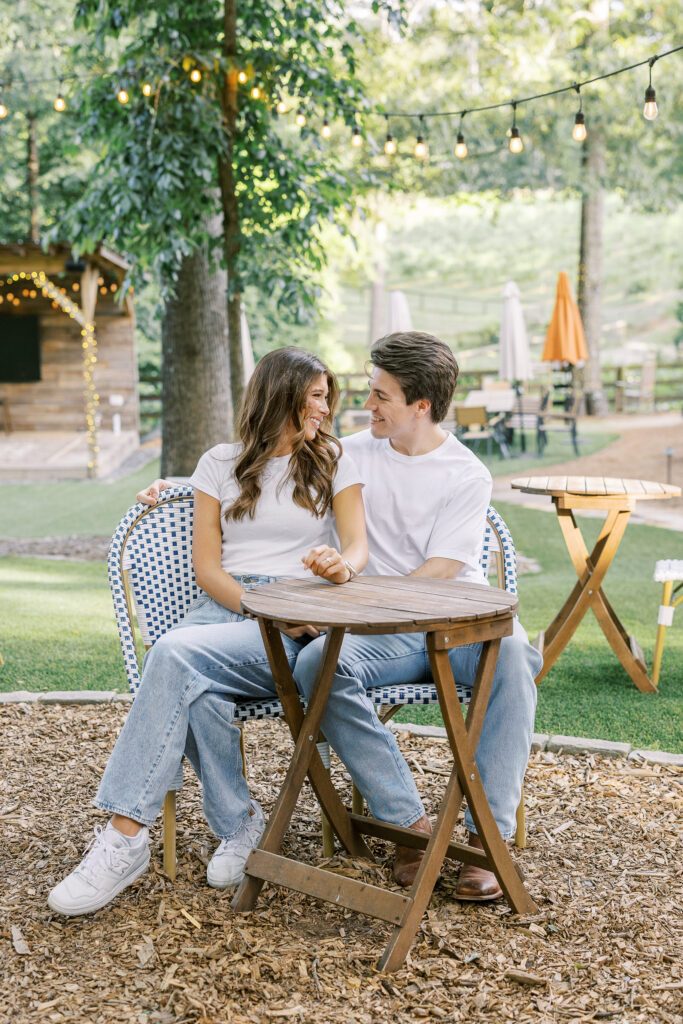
x=191, y=679
x=352, y=727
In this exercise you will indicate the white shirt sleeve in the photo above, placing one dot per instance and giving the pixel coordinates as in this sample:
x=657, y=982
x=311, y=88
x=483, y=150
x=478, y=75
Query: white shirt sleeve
x=208, y=474
x=346, y=475
x=459, y=529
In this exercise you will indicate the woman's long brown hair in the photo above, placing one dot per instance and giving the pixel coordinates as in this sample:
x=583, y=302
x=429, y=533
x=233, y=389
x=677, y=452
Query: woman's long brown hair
x=274, y=400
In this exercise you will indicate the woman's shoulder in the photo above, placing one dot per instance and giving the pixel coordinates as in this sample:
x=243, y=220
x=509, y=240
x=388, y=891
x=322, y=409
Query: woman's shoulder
x=223, y=452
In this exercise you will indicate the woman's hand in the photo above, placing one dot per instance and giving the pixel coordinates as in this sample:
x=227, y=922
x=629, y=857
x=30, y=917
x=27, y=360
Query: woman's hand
x=327, y=562
x=296, y=631
x=150, y=495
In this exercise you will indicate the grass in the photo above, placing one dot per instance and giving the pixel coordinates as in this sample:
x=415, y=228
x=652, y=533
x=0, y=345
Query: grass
x=59, y=634
x=71, y=507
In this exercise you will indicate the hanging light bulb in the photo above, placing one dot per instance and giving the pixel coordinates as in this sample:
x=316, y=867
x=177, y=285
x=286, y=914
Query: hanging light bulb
x=516, y=144
x=389, y=144
x=460, y=144
x=195, y=75
x=356, y=137
x=60, y=104
x=579, y=129
x=242, y=77
x=300, y=119
x=255, y=92
x=420, y=144
x=326, y=131
x=3, y=109
x=146, y=89
x=650, y=109
x=122, y=95
x=281, y=107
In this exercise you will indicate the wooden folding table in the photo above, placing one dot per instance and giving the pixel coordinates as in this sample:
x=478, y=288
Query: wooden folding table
x=451, y=614
x=617, y=498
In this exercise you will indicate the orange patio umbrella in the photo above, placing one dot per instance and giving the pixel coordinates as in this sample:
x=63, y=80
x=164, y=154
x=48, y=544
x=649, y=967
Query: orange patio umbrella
x=565, y=341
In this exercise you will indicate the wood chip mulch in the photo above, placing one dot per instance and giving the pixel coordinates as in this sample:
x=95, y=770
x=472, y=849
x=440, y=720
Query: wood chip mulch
x=603, y=863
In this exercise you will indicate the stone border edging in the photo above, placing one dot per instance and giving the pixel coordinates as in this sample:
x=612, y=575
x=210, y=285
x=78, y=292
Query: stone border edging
x=540, y=741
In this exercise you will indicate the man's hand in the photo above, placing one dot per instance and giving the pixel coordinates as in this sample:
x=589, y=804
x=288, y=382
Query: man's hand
x=150, y=495
x=327, y=562
x=296, y=631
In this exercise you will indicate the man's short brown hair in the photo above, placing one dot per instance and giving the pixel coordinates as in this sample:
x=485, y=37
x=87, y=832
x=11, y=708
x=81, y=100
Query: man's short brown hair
x=424, y=367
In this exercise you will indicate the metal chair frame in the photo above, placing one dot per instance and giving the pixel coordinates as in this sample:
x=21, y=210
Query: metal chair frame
x=152, y=580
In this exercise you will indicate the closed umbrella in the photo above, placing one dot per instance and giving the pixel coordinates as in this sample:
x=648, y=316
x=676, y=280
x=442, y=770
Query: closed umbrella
x=565, y=341
x=515, y=361
x=398, y=315
x=514, y=358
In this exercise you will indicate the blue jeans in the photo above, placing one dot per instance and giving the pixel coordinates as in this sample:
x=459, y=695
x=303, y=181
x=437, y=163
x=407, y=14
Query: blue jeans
x=368, y=748
x=191, y=679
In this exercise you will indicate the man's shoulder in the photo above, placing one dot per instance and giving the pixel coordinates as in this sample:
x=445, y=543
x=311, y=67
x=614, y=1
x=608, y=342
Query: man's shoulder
x=463, y=460
x=362, y=441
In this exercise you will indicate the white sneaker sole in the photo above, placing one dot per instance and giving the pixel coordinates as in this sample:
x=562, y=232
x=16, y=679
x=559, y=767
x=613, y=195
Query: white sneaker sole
x=71, y=910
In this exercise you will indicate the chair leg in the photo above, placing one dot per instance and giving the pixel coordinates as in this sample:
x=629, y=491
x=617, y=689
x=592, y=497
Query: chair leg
x=169, y=835
x=327, y=830
x=243, y=751
x=520, y=834
x=664, y=620
x=357, y=802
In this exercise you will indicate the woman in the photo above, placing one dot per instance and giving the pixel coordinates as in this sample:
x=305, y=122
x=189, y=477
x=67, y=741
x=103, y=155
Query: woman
x=264, y=509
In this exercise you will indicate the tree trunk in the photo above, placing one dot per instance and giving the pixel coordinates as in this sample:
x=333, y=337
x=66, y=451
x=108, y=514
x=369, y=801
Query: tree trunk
x=33, y=171
x=590, y=268
x=195, y=372
x=231, y=220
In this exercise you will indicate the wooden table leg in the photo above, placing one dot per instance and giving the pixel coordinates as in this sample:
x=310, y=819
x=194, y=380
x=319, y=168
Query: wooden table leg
x=464, y=780
x=305, y=759
x=591, y=570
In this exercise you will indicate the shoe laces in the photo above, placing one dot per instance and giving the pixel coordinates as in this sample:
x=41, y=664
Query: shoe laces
x=245, y=838
x=99, y=853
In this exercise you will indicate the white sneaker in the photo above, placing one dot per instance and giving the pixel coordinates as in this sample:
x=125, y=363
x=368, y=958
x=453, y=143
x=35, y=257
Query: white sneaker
x=110, y=865
x=226, y=867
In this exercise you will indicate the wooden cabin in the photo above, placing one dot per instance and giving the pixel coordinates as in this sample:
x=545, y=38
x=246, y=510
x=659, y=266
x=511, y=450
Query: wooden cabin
x=68, y=363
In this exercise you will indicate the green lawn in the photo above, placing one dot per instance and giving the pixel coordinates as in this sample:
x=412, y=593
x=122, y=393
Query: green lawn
x=58, y=633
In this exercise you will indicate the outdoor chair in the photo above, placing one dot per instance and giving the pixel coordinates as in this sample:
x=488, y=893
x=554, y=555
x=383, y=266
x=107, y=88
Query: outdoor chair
x=638, y=395
x=667, y=572
x=474, y=425
x=152, y=581
x=558, y=421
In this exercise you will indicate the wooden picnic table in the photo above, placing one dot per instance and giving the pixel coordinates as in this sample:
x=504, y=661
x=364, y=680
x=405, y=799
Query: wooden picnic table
x=616, y=497
x=452, y=614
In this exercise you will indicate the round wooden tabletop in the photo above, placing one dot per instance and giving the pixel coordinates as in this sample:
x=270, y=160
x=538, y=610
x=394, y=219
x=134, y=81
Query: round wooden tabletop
x=595, y=486
x=393, y=603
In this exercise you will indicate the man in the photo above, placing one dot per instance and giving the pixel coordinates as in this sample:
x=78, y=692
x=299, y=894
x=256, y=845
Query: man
x=426, y=497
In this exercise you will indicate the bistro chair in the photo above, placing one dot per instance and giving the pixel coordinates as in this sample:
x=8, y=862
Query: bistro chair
x=667, y=572
x=153, y=584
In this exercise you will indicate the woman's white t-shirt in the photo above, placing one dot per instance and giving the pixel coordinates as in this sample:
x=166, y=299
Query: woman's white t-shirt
x=281, y=533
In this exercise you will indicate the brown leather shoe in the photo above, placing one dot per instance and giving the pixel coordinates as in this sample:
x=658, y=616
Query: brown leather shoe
x=474, y=883
x=407, y=860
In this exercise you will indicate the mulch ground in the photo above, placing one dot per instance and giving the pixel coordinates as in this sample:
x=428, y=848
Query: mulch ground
x=603, y=864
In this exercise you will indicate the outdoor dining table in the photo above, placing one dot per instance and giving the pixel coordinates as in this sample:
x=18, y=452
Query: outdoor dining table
x=617, y=498
x=451, y=614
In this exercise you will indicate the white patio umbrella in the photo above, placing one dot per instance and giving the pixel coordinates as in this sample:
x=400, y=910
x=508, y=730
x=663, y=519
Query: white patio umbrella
x=398, y=313
x=248, y=362
x=514, y=358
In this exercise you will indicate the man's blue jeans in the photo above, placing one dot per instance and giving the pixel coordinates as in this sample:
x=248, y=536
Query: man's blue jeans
x=353, y=729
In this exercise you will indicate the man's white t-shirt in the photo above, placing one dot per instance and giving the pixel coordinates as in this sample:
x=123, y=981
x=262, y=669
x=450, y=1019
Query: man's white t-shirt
x=281, y=533
x=422, y=506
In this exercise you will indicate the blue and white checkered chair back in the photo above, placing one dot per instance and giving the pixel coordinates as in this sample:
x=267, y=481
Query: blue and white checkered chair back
x=151, y=575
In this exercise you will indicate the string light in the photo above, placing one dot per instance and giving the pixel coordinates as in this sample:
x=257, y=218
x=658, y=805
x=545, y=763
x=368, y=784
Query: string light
x=460, y=144
x=650, y=109
x=281, y=107
x=122, y=95
x=59, y=103
x=389, y=144
x=356, y=137
x=516, y=144
x=146, y=89
x=326, y=131
x=242, y=77
x=300, y=119
x=195, y=75
x=420, y=144
x=579, y=129
x=3, y=109
x=255, y=92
